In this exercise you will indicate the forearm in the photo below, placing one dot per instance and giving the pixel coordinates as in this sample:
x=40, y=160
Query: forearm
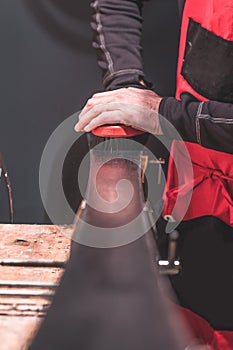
x=117, y=26
x=207, y=123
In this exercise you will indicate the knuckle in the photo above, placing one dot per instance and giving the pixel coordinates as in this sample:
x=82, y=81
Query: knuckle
x=89, y=102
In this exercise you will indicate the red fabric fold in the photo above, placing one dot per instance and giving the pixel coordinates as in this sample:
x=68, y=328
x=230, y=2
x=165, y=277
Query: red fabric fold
x=205, y=334
x=211, y=188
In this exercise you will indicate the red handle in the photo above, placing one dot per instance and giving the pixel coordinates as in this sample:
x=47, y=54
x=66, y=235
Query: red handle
x=116, y=131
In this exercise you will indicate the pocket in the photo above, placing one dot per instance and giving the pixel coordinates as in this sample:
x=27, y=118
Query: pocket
x=208, y=63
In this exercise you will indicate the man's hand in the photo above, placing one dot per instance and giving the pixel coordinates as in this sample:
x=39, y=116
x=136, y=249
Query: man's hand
x=129, y=106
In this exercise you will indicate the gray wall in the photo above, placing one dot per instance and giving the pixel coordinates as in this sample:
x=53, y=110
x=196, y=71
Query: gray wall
x=48, y=70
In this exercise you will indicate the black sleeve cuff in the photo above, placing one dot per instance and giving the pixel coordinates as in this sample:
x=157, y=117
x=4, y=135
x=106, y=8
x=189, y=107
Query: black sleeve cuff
x=128, y=80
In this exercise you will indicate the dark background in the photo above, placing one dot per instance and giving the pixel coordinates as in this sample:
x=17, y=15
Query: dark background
x=47, y=72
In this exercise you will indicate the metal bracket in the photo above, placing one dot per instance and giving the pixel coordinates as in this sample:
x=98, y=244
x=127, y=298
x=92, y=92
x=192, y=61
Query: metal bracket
x=172, y=265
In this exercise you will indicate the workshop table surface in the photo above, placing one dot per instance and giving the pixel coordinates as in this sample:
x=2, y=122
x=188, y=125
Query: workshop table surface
x=32, y=258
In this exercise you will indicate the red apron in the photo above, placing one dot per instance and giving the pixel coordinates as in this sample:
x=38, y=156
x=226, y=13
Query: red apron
x=205, y=58
x=204, y=70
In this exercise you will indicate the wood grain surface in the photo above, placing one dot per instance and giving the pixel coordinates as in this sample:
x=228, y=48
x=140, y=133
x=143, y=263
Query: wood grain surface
x=31, y=259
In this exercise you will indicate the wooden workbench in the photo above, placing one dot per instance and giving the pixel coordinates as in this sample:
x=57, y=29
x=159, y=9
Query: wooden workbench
x=32, y=259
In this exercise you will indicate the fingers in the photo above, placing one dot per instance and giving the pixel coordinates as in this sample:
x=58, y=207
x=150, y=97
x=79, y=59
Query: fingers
x=125, y=95
x=103, y=98
x=89, y=115
x=108, y=117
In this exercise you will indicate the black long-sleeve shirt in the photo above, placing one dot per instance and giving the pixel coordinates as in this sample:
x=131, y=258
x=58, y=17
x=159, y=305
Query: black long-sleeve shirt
x=117, y=26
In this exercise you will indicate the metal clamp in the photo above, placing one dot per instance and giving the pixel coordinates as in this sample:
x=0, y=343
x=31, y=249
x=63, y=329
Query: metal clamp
x=172, y=265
